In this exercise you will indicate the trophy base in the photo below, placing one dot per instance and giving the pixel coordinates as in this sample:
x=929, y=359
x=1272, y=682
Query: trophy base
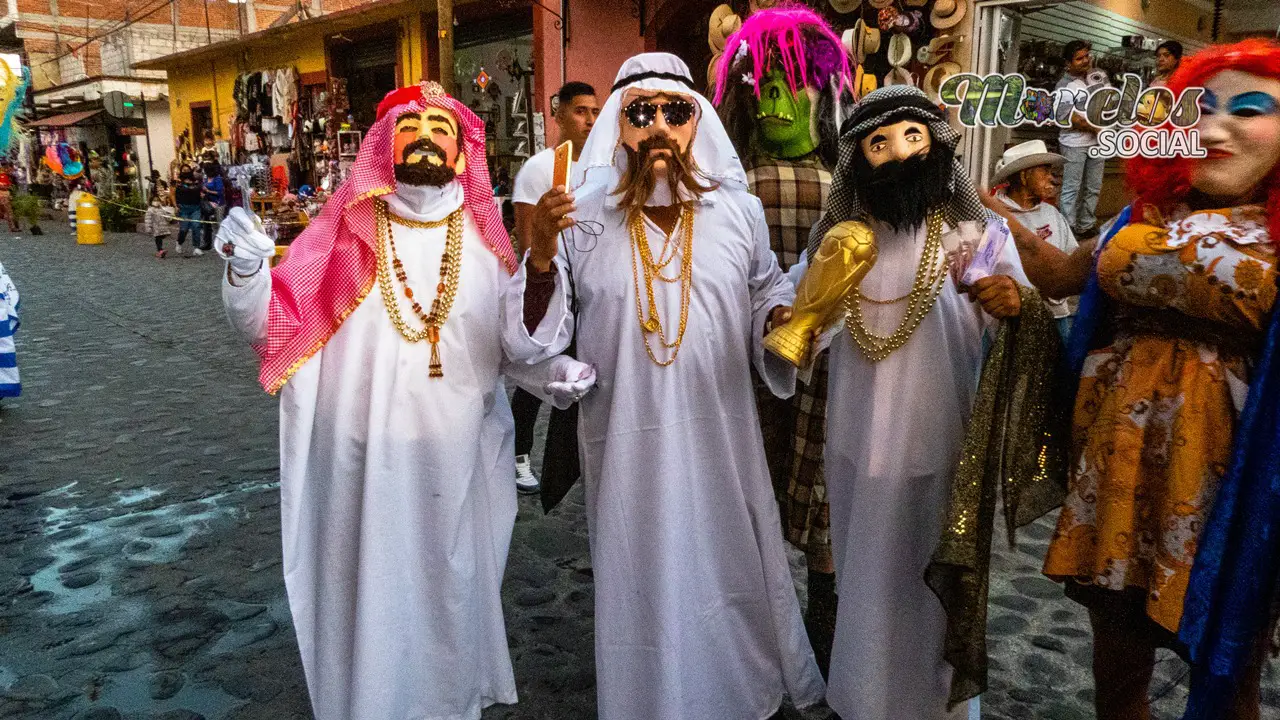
x=788, y=344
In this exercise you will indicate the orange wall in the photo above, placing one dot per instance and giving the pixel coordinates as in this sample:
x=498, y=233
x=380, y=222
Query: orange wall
x=1172, y=15
x=602, y=34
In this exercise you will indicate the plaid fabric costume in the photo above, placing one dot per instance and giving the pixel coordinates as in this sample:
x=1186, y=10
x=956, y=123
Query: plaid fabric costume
x=794, y=193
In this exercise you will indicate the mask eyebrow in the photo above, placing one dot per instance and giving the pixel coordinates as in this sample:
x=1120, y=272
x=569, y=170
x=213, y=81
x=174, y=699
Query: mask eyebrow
x=444, y=119
x=410, y=115
x=878, y=137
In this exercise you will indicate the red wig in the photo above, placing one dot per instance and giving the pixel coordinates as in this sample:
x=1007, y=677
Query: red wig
x=1165, y=182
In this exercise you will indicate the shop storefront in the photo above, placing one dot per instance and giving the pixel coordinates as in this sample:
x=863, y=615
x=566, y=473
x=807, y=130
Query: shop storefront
x=1028, y=37
x=288, y=107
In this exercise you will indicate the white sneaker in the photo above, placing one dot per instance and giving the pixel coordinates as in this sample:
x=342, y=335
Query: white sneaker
x=197, y=252
x=526, y=482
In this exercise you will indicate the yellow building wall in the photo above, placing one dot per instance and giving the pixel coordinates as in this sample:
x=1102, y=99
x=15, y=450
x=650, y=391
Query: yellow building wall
x=214, y=81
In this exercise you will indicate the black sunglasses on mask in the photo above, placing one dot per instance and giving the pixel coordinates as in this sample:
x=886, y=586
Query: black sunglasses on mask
x=642, y=114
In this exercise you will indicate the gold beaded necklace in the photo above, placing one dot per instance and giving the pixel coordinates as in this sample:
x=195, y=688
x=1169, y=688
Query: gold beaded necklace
x=652, y=324
x=446, y=290
x=929, y=279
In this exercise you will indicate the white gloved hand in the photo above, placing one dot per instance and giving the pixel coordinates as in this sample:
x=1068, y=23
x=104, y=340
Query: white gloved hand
x=572, y=380
x=241, y=242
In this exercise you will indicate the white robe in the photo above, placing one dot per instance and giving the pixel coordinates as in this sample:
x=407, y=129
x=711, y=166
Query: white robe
x=397, y=494
x=894, y=430
x=696, y=615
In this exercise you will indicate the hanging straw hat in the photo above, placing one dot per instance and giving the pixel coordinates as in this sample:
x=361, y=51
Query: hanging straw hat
x=948, y=13
x=938, y=48
x=1022, y=156
x=899, y=76
x=845, y=6
x=723, y=23
x=899, y=49
x=937, y=75
x=880, y=4
x=866, y=40
x=916, y=3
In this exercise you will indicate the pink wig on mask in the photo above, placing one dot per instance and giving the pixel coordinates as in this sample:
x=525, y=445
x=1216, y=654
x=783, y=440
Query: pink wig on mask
x=795, y=36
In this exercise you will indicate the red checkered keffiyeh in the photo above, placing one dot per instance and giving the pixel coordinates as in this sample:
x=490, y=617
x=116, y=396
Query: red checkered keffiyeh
x=331, y=266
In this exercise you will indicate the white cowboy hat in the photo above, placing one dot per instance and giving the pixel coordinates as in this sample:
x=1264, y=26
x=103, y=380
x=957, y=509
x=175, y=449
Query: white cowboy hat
x=899, y=49
x=723, y=23
x=899, y=76
x=845, y=6
x=1022, y=156
x=948, y=13
x=937, y=75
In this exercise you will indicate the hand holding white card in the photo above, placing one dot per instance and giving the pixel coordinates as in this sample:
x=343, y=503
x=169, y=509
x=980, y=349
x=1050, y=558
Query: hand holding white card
x=988, y=254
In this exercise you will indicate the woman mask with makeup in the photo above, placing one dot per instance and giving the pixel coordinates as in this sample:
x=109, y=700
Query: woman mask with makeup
x=1163, y=535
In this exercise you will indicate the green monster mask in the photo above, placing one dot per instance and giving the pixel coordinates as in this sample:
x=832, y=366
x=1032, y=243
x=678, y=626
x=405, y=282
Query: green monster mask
x=783, y=119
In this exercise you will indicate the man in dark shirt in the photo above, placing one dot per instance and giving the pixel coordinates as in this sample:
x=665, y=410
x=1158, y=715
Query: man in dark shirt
x=187, y=195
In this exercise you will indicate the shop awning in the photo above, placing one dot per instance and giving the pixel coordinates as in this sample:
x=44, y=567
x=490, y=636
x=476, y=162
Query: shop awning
x=65, y=120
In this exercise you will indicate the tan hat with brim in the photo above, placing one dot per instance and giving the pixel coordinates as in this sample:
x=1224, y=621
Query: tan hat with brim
x=899, y=76
x=1025, y=155
x=938, y=75
x=880, y=4
x=948, y=13
x=845, y=6
x=868, y=84
x=723, y=23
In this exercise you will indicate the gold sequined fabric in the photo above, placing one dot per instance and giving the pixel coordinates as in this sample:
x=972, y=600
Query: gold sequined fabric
x=1016, y=443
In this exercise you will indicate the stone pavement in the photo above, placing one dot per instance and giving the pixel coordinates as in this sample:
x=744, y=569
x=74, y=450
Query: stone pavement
x=140, y=572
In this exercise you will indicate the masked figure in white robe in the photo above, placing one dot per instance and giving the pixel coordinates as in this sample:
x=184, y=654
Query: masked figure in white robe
x=381, y=332
x=900, y=396
x=668, y=259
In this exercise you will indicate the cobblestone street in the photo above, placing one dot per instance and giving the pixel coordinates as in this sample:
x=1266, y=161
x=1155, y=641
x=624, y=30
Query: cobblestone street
x=140, y=570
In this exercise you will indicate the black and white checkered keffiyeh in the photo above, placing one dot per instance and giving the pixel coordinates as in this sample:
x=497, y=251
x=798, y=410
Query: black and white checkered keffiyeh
x=883, y=107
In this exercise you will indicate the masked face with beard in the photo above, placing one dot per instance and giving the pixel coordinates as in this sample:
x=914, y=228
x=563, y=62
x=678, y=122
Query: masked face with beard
x=657, y=131
x=427, y=148
x=901, y=175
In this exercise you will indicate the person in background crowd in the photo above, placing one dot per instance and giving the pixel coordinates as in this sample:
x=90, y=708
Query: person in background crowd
x=209, y=151
x=73, y=199
x=576, y=113
x=6, y=202
x=156, y=224
x=1168, y=58
x=187, y=195
x=1168, y=531
x=10, y=384
x=213, y=201
x=1081, y=174
x=1031, y=172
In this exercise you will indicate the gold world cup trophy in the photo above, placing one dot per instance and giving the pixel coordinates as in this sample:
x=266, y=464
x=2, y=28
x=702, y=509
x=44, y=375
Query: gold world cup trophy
x=845, y=257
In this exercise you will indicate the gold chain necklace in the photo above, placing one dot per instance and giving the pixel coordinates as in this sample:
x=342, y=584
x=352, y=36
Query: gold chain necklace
x=446, y=290
x=653, y=323
x=929, y=279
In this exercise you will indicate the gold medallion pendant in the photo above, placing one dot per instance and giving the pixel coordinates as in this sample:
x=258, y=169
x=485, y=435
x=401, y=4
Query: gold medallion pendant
x=389, y=267
x=652, y=270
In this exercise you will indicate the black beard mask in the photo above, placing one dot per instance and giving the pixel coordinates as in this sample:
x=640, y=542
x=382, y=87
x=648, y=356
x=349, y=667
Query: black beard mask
x=900, y=193
x=421, y=172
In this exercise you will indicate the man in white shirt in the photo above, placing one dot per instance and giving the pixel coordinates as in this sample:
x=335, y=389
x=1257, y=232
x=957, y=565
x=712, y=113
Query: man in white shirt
x=575, y=113
x=1081, y=174
x=1031, y=173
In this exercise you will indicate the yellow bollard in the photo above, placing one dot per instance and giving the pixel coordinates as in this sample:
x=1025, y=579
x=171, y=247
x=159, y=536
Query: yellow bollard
x=88, y=221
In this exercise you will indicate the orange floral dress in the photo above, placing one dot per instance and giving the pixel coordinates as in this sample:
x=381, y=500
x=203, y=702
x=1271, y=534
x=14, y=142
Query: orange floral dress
x=1156, y=409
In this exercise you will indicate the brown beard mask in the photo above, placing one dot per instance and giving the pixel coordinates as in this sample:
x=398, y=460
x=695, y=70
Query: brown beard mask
x=423, y=173
x=640, y=179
